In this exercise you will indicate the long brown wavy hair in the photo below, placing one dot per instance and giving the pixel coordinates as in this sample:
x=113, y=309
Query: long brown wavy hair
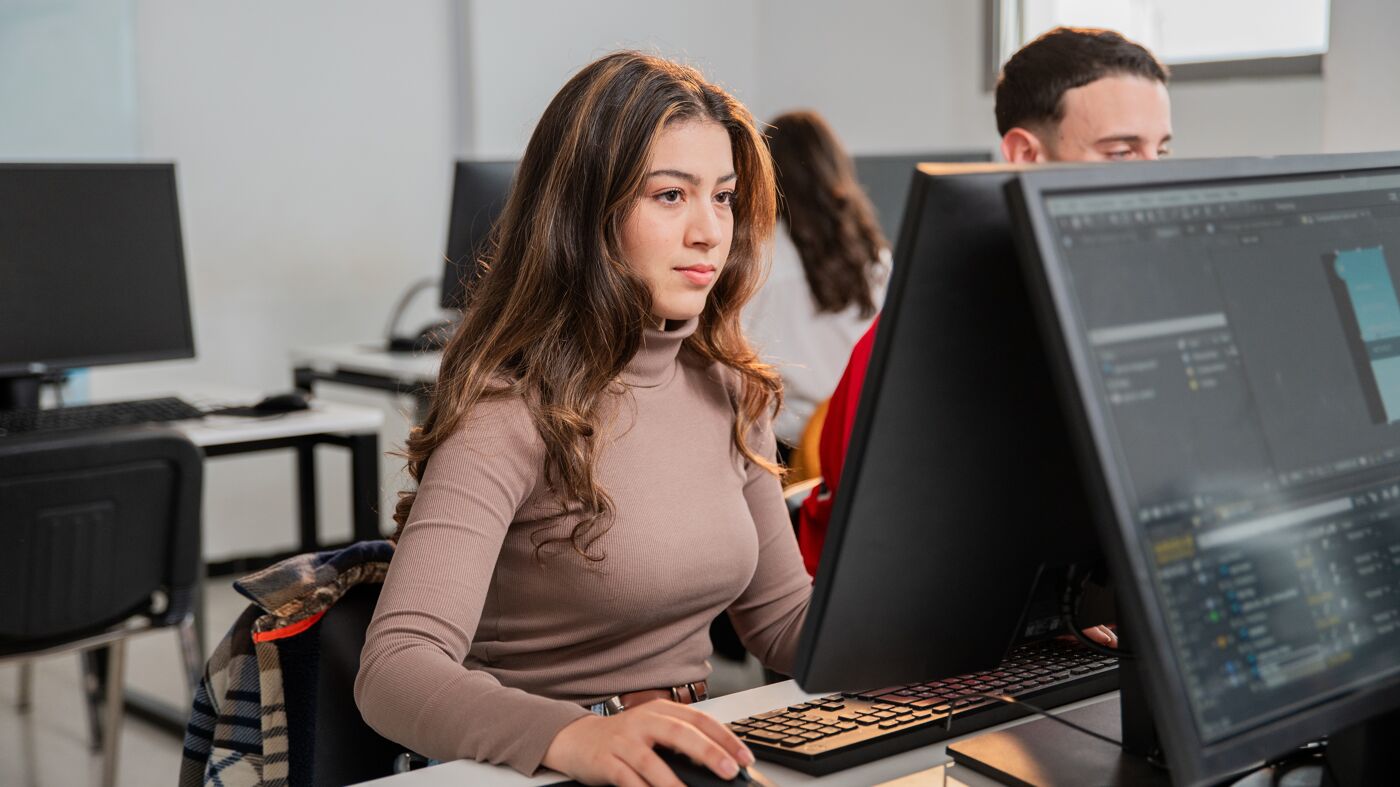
x=826, y=211
x=557, y=313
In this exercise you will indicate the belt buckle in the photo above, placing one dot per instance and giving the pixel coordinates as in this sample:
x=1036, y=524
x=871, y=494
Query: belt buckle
x=613, y=706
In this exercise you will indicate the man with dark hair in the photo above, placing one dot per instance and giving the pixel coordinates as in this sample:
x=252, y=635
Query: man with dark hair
x=1083, y=94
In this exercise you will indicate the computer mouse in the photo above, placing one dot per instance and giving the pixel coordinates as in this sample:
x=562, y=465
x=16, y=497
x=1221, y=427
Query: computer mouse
x=288, y=402
x=693, y=775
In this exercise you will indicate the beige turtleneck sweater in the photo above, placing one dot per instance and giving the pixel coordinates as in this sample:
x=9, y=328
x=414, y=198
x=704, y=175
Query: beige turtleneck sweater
x=479, y=650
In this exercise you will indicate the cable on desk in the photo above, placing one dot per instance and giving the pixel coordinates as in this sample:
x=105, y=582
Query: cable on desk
x=1009, y=700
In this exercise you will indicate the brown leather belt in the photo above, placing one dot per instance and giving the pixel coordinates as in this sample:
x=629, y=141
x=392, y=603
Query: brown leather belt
x=685, y=694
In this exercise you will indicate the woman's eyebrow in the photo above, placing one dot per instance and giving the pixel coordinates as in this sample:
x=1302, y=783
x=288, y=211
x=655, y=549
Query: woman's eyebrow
x=687, y=177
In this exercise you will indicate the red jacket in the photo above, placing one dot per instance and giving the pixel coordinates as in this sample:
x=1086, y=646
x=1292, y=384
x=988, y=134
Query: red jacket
x=836, y=433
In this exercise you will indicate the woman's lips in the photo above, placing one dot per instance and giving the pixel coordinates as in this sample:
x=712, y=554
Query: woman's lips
x=699, y=275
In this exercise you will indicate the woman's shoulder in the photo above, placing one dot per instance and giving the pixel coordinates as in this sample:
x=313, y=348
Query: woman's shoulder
x=502, y=417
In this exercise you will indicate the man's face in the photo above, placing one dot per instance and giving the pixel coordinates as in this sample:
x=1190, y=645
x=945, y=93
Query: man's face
x=1116, y=118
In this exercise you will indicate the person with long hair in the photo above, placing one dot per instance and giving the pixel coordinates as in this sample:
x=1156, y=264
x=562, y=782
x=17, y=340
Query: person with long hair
x=830, y=265
x=595, y=474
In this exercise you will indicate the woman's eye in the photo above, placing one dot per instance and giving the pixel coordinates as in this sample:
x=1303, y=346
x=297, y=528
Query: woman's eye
x=670, y=196
x=726, y=198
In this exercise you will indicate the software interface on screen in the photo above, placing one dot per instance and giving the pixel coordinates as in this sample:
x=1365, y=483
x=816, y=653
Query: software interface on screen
x=1246, y=348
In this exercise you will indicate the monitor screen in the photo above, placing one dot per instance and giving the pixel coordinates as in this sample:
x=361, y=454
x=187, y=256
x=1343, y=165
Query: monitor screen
x=886, y=178
x=479, y=192
x=1236, y=351
x=92, y=267
x=959, y=503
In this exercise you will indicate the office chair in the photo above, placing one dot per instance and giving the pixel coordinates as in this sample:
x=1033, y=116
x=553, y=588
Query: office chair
x=347, y=749
x=102, y=533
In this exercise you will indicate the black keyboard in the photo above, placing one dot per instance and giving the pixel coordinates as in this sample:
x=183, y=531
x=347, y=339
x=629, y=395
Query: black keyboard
x=96, y=416
x=844, y=730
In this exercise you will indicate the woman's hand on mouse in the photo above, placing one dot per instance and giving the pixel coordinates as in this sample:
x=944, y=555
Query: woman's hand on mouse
x=618, y=749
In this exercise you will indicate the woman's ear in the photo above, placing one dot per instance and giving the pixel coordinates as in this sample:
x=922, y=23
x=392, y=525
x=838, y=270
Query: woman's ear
x=1020, y=146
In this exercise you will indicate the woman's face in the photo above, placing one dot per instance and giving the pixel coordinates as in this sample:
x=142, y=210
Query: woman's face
x=678, y=233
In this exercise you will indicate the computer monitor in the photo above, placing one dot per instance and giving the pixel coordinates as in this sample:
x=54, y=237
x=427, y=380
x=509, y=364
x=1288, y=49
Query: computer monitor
x=1228, y=334
x=959, y=505
x=92, y=271
x=479, y=192
x=886, y=177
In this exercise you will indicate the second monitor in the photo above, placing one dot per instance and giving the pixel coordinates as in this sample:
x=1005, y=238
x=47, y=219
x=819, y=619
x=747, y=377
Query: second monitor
x=479, y=191
x=886, y=178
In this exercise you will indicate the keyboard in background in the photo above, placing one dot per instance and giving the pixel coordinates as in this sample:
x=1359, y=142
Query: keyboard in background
x=97, y=416
x=844, y=730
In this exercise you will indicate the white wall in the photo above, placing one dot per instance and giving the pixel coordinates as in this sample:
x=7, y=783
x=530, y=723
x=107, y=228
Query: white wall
x=894, y=76
x=314, y=143
x=520, y=53
x=1362, y=106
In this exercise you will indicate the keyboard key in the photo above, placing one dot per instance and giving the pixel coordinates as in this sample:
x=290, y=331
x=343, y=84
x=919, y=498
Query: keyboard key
x=847, y=725
x=888, y=724
x=793, y=741
x=867, y=720
x=765, y=736
x=905, y=719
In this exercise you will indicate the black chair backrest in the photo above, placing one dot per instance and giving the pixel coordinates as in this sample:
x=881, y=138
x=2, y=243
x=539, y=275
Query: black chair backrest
x=94, y=523
x=347, y=750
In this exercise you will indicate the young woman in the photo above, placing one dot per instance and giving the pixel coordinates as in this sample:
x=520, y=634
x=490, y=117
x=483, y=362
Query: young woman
x=830, y=263
x=594, y=475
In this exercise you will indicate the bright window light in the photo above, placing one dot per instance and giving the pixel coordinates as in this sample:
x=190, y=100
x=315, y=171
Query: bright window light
x=1180, y=31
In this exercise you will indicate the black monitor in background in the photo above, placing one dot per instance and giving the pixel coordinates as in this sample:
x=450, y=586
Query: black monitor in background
x=479, y=191
x=960, y=510
x=1228, y=335
x=885, y=179
x=92, y=271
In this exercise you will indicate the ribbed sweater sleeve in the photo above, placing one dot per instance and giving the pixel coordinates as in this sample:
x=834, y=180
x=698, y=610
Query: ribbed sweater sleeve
x=412, y=686
x=768, y=615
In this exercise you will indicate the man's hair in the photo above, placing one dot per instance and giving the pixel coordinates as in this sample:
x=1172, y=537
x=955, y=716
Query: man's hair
x=1034, y=81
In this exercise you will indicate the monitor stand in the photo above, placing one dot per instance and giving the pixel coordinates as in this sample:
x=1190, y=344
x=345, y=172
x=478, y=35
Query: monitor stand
x=20, y=392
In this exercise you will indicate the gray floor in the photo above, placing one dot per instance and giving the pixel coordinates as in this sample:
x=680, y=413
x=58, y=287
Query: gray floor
x=48, y=746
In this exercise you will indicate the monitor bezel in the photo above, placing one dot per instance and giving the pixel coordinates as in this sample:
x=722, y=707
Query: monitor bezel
x=43, y=366
x=1192, y=760
x=824, y=652
x=453, y=288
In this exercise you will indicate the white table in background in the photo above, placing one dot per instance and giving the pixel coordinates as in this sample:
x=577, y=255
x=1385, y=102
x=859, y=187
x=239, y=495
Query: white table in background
x=349, y=426
x=366, y=365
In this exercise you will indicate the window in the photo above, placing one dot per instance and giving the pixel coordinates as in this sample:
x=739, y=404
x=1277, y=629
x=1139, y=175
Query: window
x=1198, y=39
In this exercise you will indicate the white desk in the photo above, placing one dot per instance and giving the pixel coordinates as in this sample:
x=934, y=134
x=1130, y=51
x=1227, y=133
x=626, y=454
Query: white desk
x=365, y=364
x=349, y=426
x=929, y=765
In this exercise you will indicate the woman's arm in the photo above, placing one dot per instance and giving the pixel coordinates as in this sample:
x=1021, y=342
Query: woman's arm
x=768, y=615
x=412, y=686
